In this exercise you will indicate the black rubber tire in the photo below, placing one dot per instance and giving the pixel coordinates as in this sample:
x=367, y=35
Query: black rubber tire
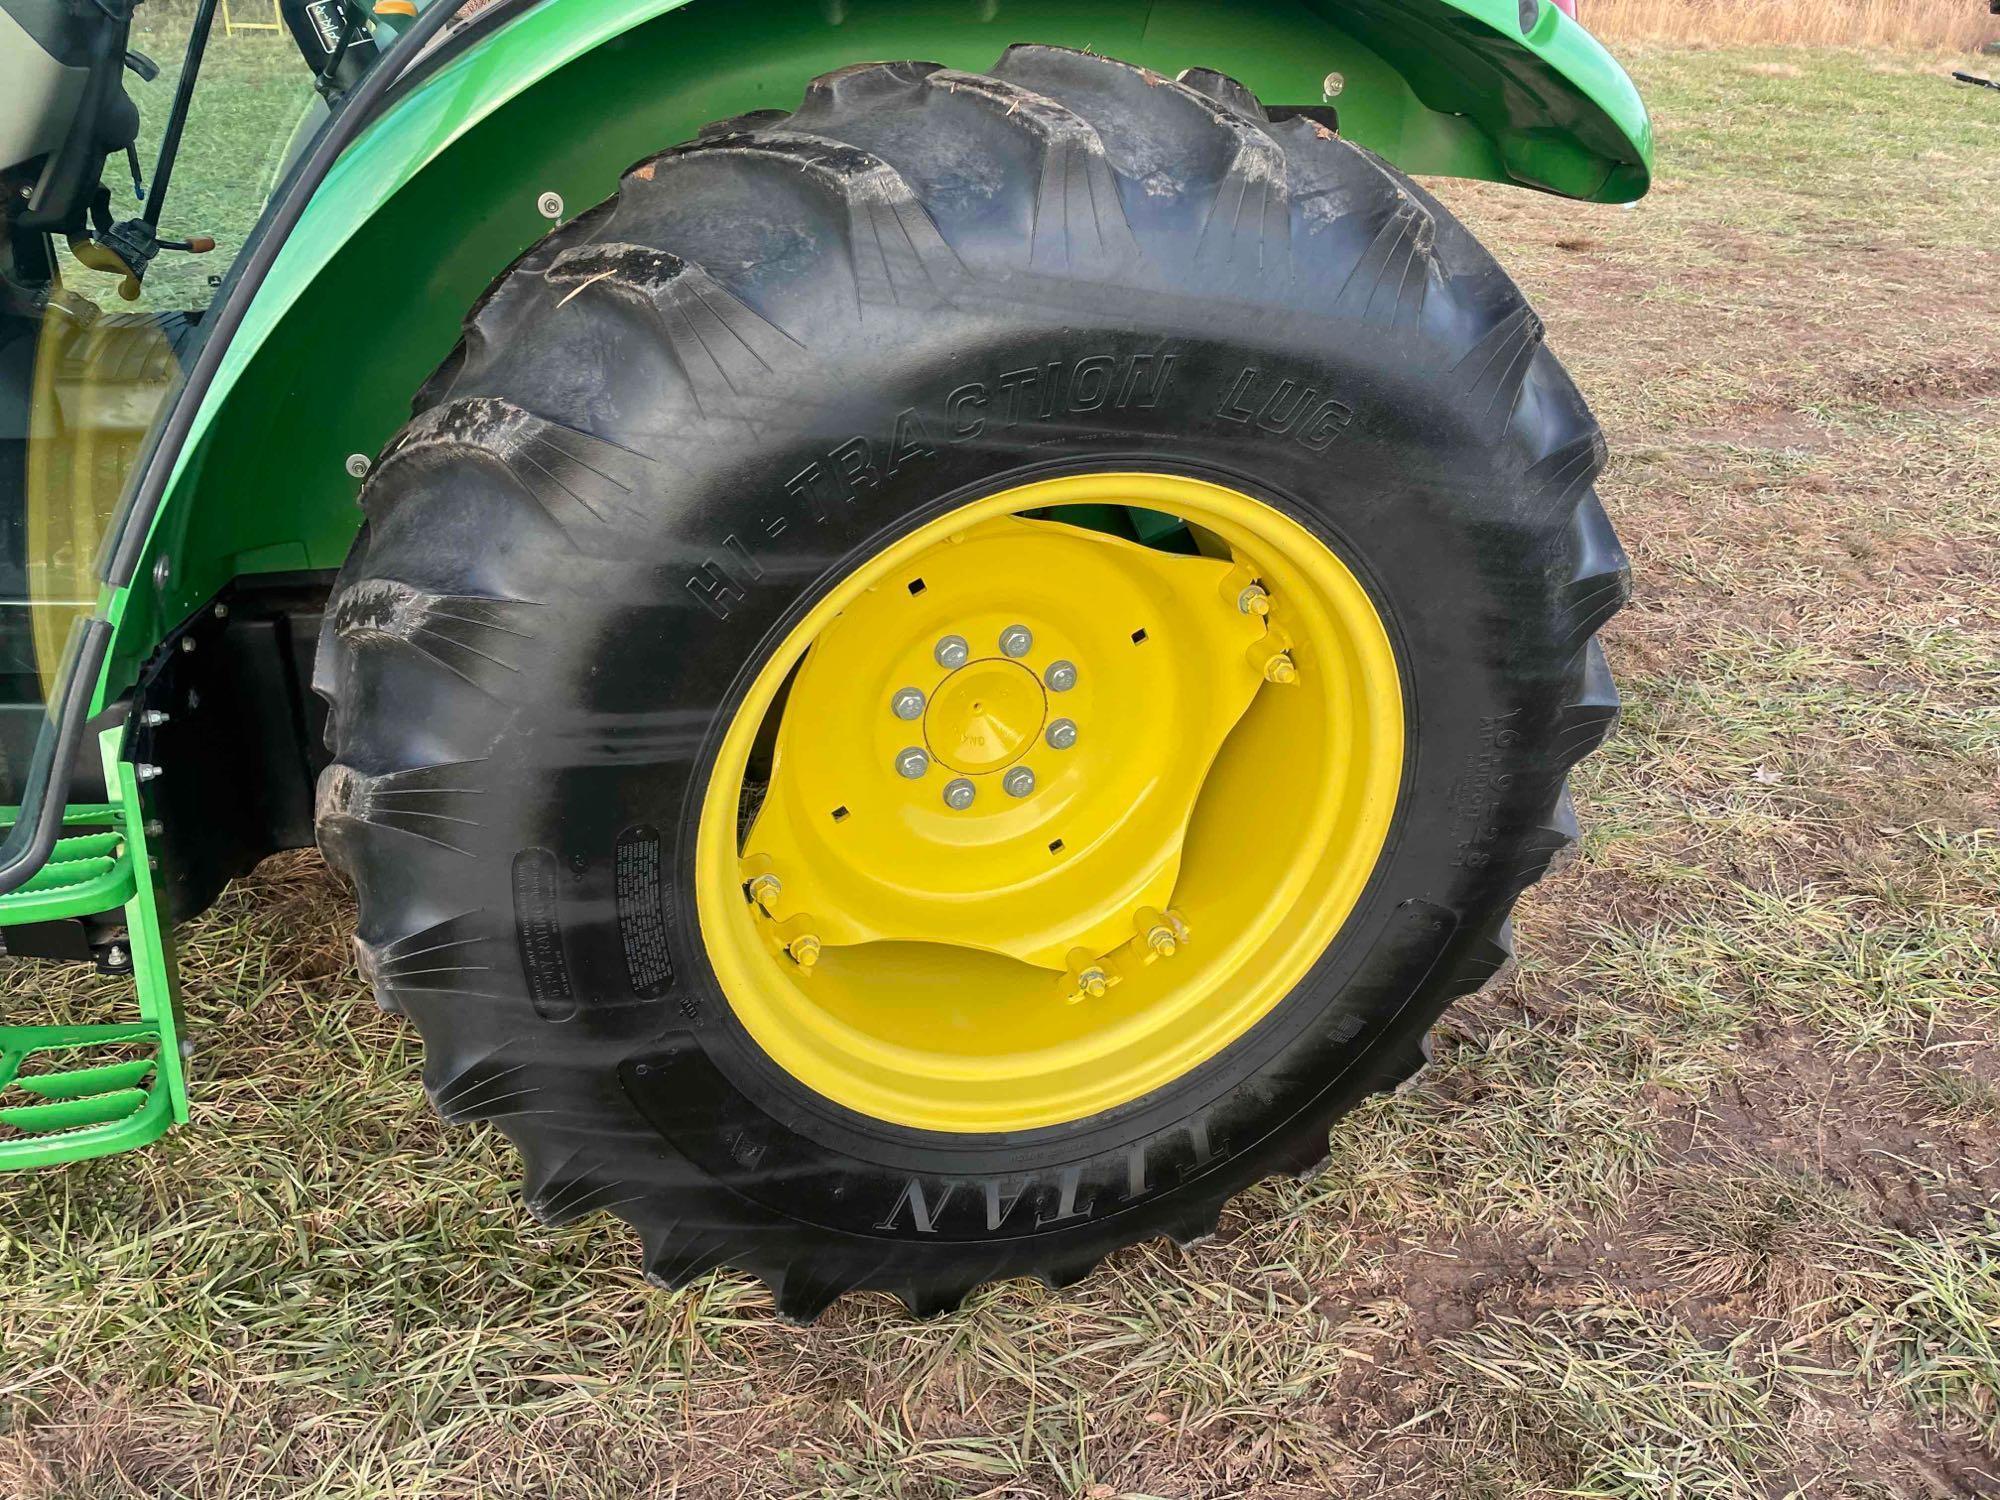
x=677, y=420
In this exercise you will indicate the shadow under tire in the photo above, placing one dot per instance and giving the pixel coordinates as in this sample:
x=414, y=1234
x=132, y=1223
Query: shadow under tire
x=685, y=420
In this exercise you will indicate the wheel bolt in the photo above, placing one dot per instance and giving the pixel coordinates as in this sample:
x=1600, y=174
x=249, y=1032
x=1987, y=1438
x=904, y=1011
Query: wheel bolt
x=1253, y=600
x=1281, y=670
x=1093, y=982
x=907, y=704
x=1018, y=782
x=1062, y=734
x=804, y=950
x=1161, y=941
x=1015, y=640
x=764, y=891
x=951, y=652
x=958, y=794
x=1061, y=676
x=912, y=763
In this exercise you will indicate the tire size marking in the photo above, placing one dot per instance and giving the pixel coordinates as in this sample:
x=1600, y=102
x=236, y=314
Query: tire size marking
x=1477, y=793
x=1284, y=407
x=538, y=929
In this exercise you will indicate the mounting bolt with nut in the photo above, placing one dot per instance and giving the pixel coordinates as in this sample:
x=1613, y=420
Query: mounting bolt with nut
x=958, y=794
x=1018, y=782
x=911, y=763
x=1281, y=669
x=1061, y=676
x=358, y=465
x=951, y=653
x=908, y=703
x=1016, y=640
x=764, y=891
x=549, y=205
x=1092, y=983
x=1253, y=600
x=804, y=950
x=1061, y=734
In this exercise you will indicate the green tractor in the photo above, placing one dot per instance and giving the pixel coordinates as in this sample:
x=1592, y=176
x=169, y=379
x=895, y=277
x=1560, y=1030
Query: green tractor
x=922, y=669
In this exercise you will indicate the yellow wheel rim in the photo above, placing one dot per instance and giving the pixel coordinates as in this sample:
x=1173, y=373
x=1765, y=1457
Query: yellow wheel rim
x=1051, y=817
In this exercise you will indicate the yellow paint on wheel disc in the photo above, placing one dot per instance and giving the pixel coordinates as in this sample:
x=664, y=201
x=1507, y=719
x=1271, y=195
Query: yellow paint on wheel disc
x=1182, y=770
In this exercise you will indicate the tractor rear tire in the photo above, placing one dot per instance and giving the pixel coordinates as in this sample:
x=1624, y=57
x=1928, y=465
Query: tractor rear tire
x=688, y=418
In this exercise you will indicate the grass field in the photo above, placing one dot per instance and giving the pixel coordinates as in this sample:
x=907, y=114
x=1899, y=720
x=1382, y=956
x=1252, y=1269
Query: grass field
x=1700, y=1205
x=1945, y=24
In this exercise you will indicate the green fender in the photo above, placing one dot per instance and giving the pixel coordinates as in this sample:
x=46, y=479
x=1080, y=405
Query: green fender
x=439, y=193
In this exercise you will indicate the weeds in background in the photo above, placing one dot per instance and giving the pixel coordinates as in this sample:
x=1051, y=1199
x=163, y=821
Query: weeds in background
x=1941, y=25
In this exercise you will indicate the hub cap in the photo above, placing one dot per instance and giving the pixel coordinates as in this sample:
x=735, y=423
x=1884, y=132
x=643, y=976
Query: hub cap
x=1138, y=811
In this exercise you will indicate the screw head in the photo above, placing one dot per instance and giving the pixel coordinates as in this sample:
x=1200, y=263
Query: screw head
x=1061, y=676
x=1015, y=640
x=911, y=763
x=958, y=794
x=951, y=652
x=1253, y=600
x=907, y=704
x=549, y=205
x=358, y=465
x=764, y=891
x=1281, y=670
x=1061, y=734
x=804, y=950
x=1332, y=84
x=1018, y=782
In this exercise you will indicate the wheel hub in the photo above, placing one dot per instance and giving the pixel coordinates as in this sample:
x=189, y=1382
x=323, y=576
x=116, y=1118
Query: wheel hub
x=1075, y=689
x=984, y=716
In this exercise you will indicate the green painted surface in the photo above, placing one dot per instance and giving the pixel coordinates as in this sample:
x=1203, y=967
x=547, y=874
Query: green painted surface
x=438, y=196
x=62, y=1098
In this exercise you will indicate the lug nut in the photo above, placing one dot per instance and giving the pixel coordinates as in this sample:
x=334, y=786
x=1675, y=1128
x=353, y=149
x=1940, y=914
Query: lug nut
x=951, y=653
x=804, y=950
x=1062, y=734
x=958, y=794
x=1281, y=670
x=1015, y=640
x=907, y=704
x=912, y=763
x=1253, y=600
x=1061, y=676
x=1018, y=782
x=764, y=891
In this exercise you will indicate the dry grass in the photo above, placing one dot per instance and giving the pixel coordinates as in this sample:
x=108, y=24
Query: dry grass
x=1917, y=25
x=1699, y=1206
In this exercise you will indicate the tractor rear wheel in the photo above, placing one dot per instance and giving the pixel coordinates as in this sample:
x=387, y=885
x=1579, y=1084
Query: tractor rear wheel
x=943, y=682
